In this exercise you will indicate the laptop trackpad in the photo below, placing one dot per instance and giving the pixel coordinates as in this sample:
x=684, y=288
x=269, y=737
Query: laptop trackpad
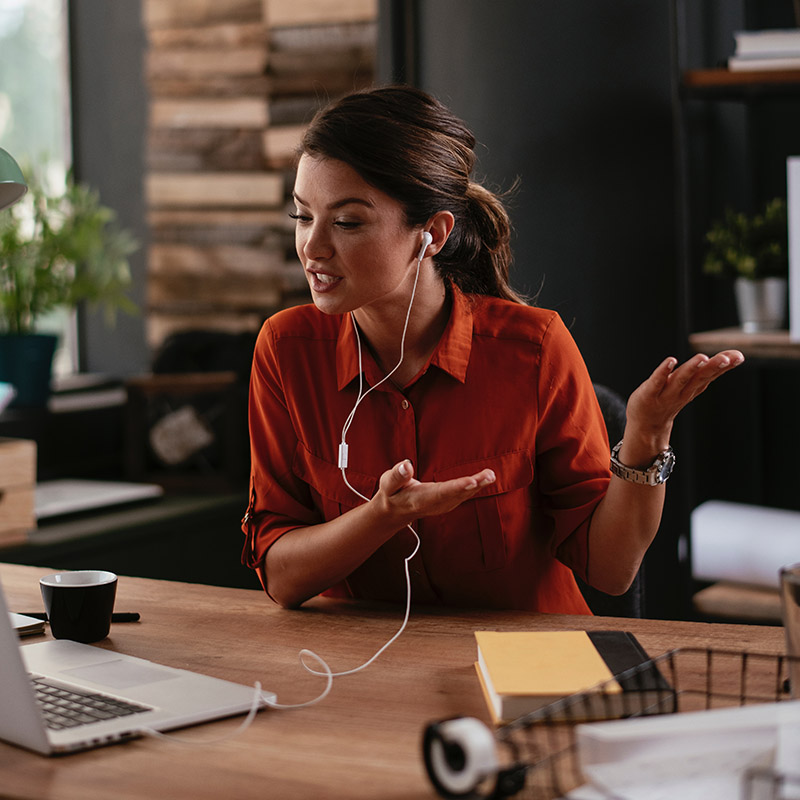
x=120, y=674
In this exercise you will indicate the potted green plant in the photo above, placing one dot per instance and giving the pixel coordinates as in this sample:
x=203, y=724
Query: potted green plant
x=58, y=248
x=753, y=250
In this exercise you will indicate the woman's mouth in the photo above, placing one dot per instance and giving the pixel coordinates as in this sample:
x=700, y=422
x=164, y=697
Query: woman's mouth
x=322, y=281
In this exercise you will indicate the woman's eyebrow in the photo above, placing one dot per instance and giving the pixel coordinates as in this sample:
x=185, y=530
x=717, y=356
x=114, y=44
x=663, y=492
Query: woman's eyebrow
x=345, y=201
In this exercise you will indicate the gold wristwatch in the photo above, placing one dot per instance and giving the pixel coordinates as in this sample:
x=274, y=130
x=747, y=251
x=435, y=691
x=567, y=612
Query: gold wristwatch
x=654, y=475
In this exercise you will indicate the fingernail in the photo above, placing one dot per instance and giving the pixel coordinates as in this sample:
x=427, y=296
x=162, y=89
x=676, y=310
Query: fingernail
x=403, y=469
x=725, y=362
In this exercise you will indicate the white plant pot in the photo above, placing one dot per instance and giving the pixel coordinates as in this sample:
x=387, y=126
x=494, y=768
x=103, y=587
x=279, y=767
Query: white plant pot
x=761, y=304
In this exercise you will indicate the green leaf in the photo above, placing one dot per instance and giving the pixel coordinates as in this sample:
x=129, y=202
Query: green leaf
x=59, y=249
x=752, y=247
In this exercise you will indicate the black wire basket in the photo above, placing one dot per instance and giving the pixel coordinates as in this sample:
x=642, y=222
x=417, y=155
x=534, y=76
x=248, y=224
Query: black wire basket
x=536, y=756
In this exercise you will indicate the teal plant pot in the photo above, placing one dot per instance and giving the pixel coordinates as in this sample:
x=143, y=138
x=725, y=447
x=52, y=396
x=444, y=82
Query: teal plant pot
x=26, y=362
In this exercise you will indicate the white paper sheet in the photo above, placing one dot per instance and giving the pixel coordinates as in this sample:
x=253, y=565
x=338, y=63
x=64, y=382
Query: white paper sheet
x=693, y=756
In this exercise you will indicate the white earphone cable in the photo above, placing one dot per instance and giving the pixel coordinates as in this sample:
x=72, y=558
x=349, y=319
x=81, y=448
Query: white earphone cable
x=361, y=393
x=259, y=698
x=343, y=467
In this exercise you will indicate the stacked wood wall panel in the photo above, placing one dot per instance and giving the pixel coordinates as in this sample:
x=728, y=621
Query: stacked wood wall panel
x=232, y=85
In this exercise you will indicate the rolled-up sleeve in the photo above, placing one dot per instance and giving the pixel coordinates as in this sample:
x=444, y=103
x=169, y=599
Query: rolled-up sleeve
x=279, y=500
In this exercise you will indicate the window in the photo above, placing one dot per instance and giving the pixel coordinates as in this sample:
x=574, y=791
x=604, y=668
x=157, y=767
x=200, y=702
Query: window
x=35, y=114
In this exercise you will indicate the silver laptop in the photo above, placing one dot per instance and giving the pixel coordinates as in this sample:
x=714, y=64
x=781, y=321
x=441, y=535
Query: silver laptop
x=59, y=696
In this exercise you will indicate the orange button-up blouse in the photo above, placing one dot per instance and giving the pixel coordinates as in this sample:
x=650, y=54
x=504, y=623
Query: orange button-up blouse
x=505, y=388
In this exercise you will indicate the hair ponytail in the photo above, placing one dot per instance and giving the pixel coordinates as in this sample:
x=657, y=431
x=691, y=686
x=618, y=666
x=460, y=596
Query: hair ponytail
x=481, y=239
x=407, y=144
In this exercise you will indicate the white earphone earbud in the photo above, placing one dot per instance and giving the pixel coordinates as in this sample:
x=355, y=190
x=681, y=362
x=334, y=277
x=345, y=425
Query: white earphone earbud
x=426, y=240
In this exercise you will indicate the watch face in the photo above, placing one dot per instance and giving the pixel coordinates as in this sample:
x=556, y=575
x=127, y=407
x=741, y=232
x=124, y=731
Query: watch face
x=666, y=467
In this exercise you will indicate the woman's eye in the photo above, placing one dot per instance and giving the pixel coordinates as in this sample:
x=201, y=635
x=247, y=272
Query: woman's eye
x=306, y=219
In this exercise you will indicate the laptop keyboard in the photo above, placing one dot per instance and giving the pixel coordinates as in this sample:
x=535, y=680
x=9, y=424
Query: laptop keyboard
x=67, y=708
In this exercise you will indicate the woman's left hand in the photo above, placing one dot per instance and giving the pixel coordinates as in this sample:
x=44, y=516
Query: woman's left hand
x=626, y=520
x=653, y=406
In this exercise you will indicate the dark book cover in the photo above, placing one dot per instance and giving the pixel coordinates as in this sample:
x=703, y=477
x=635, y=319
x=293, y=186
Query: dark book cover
x=630, y=664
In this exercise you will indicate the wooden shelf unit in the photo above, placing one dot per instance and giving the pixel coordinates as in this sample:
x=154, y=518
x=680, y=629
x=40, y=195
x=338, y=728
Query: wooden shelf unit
x=722, y=82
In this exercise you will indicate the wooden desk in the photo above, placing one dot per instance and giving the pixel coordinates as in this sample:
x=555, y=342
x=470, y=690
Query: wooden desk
x=362, y=741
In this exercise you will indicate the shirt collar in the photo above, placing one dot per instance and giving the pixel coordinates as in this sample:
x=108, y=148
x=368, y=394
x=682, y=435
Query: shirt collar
x=451, y=354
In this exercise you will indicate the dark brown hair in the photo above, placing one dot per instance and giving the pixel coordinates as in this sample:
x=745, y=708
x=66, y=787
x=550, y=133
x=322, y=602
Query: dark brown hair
x=410, y=146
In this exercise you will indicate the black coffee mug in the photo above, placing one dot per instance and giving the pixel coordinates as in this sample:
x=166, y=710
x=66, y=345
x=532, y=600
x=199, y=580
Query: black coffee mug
x=79, y=604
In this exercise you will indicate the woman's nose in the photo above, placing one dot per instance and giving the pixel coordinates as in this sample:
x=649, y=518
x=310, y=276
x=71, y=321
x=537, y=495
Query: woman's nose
x=315, y=243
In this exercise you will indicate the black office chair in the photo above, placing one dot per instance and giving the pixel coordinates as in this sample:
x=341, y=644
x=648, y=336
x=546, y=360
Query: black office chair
x=631, y=603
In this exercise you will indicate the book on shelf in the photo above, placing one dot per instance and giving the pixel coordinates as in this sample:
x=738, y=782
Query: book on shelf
x=588, y=675
x=741, y=64
x=776, y=42
x=766, y=50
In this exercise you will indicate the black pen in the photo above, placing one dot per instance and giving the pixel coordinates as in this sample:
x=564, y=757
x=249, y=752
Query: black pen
x=122, y=616
x=125, y=616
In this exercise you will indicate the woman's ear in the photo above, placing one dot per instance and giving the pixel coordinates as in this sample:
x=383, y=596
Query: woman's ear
x=440, y=225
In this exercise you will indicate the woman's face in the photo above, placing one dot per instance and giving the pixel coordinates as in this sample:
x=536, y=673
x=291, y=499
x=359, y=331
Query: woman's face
x=352, y=239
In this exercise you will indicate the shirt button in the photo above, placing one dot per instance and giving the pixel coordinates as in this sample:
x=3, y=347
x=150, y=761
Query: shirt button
x=404, y=404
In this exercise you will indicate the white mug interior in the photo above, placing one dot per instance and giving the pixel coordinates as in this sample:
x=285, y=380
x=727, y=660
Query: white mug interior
x=83, y=577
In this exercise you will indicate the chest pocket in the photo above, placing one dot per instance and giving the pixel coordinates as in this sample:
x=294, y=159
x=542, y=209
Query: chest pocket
x=482, y=533
x=329, y=491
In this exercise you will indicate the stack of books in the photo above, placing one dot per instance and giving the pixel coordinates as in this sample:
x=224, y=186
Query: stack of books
x=575, y=675
x=766, y=50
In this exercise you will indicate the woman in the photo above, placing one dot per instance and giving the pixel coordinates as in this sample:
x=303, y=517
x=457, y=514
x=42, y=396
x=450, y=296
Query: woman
x=486, y=439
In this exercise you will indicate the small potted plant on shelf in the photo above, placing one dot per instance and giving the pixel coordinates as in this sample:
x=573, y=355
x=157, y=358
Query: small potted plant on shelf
x=58, y=248
x=753, y=249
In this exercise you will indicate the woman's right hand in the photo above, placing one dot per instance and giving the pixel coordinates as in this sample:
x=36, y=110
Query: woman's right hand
x=401, y=496
x=308, y=560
